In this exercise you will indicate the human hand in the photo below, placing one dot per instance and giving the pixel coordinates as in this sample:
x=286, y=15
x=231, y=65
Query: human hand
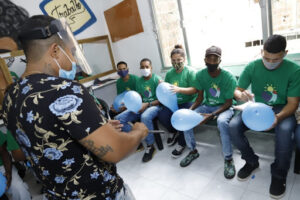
x=274, y=124
x=246, y=96
x=142, y=128
x=144, y=107
x=175, y=89
x=207, y=117
x=112, y=109
x=116, y=124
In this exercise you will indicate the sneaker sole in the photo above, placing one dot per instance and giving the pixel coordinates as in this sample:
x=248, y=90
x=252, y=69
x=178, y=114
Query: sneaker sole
x=245, y=179
x=171, y=144
x=173, y=156
x=277, y=197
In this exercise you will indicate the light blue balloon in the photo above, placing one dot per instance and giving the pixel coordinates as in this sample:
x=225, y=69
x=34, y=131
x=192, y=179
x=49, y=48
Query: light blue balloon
x=133, y=101
x=166, y=96
x=185, y=119
x=119, y=101
x=258, y=116
x=2, y=184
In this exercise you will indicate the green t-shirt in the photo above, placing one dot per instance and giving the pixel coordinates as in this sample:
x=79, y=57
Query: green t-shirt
x=128, y=85
x=11, y=143
x=147, y=88
x=184, y=79
x=216, y=90
x=2, y=141
x=2, y=138
x=271, y=87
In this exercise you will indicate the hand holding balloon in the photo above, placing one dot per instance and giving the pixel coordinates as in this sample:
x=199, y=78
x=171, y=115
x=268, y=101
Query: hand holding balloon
x=175, y=89
x=206, y=117
x=144, y=107
x=133, y=101
x=119, y=101
x=246, y=96
x=258, y=117
x=166, y=96
x=185, y=119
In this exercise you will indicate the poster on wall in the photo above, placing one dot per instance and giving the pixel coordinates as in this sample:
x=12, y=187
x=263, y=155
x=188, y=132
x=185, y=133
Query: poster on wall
x=77, y=12
x=123, y=20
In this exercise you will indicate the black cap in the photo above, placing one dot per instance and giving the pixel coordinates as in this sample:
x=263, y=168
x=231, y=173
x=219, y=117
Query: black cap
x=213, y=50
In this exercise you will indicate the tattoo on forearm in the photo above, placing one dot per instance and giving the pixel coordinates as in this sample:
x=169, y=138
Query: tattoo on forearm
x=98, y=151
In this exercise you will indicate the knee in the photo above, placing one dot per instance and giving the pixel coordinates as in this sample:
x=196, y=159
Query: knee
x=286, y=126
x=222, y=122
x=144, y=119
x=233, y=127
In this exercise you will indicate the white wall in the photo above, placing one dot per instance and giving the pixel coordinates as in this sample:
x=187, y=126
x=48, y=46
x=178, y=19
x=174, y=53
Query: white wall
x=130, y=50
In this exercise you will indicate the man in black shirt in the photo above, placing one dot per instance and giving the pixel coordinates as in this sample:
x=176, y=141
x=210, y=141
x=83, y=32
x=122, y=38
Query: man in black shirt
x=57, y=123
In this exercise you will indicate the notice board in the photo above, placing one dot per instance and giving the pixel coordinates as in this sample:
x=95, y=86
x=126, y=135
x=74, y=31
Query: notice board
x=123, y=20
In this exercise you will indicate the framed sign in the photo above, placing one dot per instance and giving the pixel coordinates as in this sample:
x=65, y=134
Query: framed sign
x=79, y=16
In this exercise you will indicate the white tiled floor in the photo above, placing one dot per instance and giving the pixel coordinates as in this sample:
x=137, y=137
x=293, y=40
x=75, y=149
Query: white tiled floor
x=163, y=179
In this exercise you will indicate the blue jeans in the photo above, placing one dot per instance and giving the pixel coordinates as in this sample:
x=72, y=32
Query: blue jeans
x=164, y=117
x=223, y=126
x=283, y=143
x=297, y=136
x=146, y=117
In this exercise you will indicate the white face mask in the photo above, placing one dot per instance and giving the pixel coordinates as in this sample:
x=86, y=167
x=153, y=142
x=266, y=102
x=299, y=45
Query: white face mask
x=271, y=66
x=145, y=72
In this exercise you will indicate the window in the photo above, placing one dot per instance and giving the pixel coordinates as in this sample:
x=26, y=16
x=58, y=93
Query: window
x=233, y=25
x=236, y=26
x=167, y=19
x=286, y=21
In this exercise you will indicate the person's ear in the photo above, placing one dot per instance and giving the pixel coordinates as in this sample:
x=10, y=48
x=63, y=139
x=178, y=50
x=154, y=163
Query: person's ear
x=54, y=50
x=220, y=61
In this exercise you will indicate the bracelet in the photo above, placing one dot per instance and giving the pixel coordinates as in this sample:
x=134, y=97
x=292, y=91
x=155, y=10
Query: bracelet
x=150, y=104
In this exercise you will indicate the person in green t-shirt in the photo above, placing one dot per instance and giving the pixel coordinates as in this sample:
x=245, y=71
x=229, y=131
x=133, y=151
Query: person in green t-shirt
x=274, y=81
x=146, y=87
x=182, y=79
x=126, y=82
x=18, y=189
x=215, y=93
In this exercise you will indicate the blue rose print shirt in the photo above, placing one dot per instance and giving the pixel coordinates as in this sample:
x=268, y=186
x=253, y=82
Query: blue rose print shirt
x=48, y=115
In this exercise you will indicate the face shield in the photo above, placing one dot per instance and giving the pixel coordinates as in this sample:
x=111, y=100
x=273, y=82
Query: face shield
x=62, y=29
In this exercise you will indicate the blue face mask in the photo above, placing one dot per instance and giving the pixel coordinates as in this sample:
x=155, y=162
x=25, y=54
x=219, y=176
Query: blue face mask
x=123, y=73
x=64, y=73
x=68, y=74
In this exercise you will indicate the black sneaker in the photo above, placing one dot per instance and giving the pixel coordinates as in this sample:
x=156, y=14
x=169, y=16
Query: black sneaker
x=177, y=151
x=173, y=139
x=149, y=153
x=277, y=188
x=246, y=171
